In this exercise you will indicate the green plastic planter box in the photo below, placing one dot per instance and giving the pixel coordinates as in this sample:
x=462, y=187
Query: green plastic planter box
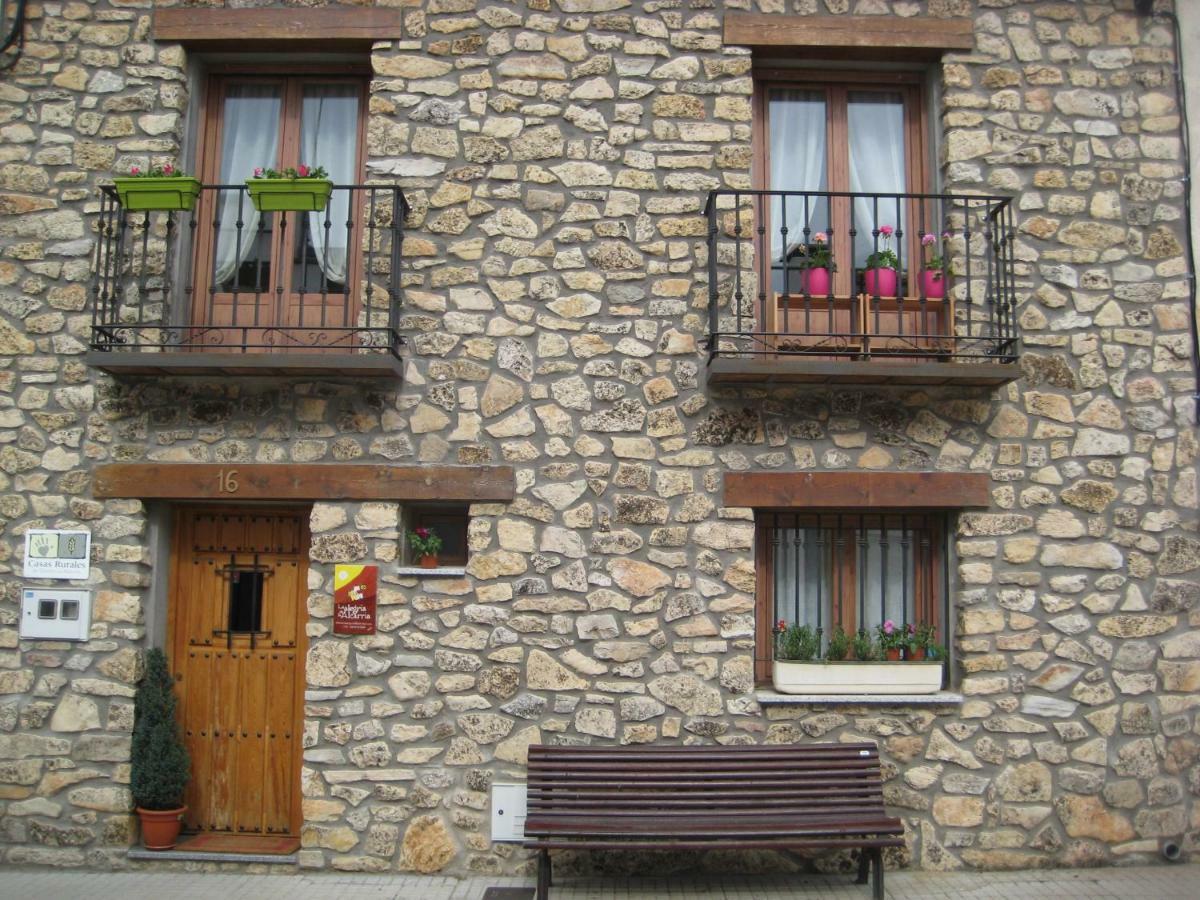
x=289, y=194
x=166, y=194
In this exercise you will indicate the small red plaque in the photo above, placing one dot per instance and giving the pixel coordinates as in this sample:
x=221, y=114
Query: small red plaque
x=354, y=593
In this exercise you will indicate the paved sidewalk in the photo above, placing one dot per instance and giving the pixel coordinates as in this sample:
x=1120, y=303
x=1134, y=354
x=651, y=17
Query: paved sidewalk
x=1175, y=882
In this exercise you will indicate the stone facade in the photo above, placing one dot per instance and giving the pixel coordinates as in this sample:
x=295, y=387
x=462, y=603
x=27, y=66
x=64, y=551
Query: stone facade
x=557, y=155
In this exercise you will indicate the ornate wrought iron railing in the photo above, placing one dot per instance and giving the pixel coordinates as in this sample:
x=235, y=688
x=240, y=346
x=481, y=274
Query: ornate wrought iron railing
x=224, y=278
x=951, y=295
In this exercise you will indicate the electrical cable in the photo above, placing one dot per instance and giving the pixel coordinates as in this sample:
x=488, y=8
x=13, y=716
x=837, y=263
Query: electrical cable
x=15, y=36
x=1145, y=8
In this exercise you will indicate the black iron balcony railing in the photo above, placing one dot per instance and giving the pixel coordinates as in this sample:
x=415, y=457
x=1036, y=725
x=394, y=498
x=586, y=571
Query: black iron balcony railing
x=807, y=275
x=226, y=279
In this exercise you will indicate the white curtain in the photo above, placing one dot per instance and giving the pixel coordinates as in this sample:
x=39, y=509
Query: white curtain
x=328, y=132
x=876, y=125
x=801, y=586
x=797, y=123
x=890, y=565
x=805, y=576
x=250, y=139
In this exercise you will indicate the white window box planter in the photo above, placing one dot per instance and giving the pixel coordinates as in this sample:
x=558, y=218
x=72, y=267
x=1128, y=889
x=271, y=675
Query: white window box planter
x=854, y=677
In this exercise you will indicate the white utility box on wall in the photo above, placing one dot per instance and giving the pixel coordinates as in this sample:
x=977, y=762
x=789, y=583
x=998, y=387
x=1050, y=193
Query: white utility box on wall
x=56, y=614
x=508, y=812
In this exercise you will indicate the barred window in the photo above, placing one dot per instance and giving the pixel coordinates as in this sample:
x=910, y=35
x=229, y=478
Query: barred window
x=855, y=570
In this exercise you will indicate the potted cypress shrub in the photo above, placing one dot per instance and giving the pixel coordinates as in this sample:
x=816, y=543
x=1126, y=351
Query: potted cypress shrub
x=300, y=189
x=160, y=762
x=161, y=188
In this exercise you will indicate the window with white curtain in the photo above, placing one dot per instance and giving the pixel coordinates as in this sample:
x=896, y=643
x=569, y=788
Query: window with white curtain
x=856, y=570
x=863, y=136
x=277, y=122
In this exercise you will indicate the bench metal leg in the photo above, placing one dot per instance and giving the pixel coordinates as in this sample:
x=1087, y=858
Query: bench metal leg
x=543, y=875
x=877, y=893
x=864, y=865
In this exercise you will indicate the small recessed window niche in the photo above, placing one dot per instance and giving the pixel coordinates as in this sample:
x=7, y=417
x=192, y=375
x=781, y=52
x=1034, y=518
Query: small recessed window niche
x=449, y=522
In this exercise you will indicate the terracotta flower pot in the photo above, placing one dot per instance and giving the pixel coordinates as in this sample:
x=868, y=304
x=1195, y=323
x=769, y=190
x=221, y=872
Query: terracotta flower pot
x=933, y=284
x=880, y=282
x=892, y=654
x=815, y=282
x=428, y=561
x=160, y=827
x=916, y=654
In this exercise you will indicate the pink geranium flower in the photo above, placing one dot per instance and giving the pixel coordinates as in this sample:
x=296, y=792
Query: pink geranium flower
x=168, y=169
x=302, y=170
x=927, y=239
x=135, y=170
x=889, y=626
x=820, y=237
x=887, y=230
x=258, y=172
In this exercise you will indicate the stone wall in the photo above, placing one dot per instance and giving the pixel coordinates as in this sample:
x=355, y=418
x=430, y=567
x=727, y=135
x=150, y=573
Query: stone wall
x=557, y=156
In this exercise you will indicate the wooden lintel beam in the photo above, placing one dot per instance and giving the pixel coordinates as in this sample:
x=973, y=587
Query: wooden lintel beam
x=258, y=481
x=817, y=33
x=857, y=490
x=220, y=25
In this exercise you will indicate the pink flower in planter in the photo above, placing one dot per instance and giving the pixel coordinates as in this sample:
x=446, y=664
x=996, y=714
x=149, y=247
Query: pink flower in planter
x=135, y=170
x=820, y=237
x=258, y=173
x=889, y=626
x=927, y=239
x=302, y=170
x=887, y=230
x=168, y=169
x=423, y=533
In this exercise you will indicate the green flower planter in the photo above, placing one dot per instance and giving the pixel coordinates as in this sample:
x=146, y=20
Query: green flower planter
x=289, y=194
x=167, y=193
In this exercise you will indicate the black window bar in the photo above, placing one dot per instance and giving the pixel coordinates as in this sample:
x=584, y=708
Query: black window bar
x=858, y=570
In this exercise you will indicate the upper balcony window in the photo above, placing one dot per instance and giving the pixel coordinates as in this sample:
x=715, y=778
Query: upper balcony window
x=841, y=253
x=225, y=279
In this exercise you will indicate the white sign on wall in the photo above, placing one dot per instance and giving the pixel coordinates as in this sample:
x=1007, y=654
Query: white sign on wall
x=57, y=554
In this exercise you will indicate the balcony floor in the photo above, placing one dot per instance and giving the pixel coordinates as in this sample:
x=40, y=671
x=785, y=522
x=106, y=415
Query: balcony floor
x=341, y=365
x=790, y=369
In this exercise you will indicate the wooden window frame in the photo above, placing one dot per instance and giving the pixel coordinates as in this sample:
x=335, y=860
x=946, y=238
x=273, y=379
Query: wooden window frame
x=837, y=153
x=930, y=575
x=292, y=78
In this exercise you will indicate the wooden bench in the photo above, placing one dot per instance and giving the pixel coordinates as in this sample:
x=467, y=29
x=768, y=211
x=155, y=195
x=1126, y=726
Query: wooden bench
x=784, y=797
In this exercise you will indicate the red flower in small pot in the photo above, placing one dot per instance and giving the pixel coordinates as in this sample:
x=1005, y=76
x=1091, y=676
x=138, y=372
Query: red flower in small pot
x=425, y=545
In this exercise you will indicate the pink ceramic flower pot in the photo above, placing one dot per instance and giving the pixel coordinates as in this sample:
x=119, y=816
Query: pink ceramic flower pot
x=880, y=282
x=933, y=284
x=815, y=282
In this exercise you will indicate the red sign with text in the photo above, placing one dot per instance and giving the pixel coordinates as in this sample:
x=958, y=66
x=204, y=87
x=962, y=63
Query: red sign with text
x=355, y=589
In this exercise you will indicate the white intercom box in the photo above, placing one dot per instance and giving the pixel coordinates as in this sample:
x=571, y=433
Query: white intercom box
x=56, y=614
x=508, y=812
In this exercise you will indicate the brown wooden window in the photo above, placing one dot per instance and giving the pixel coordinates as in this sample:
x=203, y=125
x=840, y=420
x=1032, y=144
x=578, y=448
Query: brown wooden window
x=823, y=141
x=261, y=271
x=449, y=523
x=855, y=570
x=864, y=134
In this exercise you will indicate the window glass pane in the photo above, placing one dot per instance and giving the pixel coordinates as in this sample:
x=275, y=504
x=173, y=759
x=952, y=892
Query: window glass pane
x=249, y=140
x=797, y=150
x=875, y=122
x=802, y=558
x=328, y=138
x=887, y=560
x=245, y=601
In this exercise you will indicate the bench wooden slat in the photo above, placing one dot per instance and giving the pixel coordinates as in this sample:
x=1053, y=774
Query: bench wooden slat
x=813, y=796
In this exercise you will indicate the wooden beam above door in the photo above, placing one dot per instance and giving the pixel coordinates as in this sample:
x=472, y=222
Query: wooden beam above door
x=264, y=481
x=335, y=27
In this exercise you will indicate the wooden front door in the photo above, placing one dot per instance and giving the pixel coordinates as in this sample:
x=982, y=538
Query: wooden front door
x=237, y=633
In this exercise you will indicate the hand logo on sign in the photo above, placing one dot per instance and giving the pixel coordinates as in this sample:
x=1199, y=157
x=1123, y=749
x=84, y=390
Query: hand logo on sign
x=42, y=546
